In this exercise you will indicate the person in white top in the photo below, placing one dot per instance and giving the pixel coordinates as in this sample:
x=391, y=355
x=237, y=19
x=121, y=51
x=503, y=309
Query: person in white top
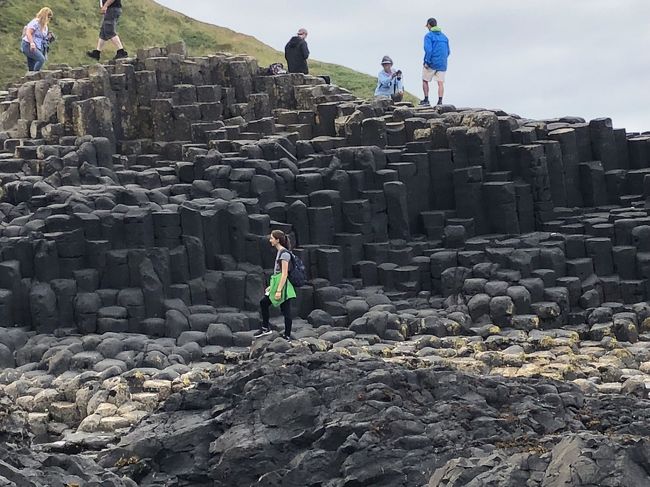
x=36, y=36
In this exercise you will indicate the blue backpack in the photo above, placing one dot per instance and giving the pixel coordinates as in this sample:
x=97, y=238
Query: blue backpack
x=297, y=270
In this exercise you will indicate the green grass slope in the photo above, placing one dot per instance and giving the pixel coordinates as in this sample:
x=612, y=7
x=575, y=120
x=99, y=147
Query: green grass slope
x=143, y=24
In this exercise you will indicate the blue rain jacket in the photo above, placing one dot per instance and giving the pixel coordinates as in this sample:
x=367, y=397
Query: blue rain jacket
x=436, y=49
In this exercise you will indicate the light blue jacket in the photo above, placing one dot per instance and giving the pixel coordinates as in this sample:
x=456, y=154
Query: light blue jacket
x=388, y=86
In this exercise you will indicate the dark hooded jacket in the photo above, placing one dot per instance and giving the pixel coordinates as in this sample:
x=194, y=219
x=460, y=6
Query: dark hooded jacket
x=296, y=52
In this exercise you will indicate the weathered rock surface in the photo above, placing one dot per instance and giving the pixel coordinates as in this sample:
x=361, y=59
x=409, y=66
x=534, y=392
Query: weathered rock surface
x=476, y=311
x=22, y=464
x=324, y=419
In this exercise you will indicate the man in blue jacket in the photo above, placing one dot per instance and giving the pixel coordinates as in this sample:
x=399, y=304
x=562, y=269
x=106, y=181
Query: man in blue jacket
x=436, y=52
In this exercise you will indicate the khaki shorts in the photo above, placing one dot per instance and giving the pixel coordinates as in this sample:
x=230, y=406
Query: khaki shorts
x=429, y=74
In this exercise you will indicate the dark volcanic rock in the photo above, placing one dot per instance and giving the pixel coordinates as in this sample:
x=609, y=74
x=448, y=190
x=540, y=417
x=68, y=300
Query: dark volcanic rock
x=581, y=459
x=322, y=419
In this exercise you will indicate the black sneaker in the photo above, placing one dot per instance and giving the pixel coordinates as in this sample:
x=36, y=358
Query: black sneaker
x=121, y=54
x=287, y=337
x=263, y=332
x=425, y=103
x=94, y=54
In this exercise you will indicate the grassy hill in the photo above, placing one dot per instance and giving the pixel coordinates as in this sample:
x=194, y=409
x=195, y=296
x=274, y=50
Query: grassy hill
x=144, y=24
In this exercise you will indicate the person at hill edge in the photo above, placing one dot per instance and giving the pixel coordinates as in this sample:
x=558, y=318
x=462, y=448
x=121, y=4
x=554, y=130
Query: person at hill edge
x=280, y=291
x=389, y=81
x=36, y=37
x=296, y=53
x=436, y=52
x=111, y=11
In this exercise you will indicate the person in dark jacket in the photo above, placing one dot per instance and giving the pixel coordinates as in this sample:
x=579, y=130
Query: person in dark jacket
x=436, y=52
x=297, y=52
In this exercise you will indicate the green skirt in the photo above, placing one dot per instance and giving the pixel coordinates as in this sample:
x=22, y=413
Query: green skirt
x=288, y=292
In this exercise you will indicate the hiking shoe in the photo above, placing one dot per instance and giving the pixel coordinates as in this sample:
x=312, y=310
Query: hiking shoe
x=425, y=103
x=94, y=54
x=263, y=332
x=121, y=54
x=287, y=337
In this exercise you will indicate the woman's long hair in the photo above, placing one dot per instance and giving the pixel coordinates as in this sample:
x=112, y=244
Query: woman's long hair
x=282, y=237
x=43, y=16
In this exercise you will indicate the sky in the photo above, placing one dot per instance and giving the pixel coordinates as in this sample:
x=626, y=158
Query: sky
x=535, y=58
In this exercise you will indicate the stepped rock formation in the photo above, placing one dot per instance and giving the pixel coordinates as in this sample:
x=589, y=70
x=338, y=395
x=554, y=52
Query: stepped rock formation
x=444, y=245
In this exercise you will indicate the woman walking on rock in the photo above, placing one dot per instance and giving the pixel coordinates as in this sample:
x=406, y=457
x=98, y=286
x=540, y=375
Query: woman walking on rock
x=280, y=291
x=36, y=37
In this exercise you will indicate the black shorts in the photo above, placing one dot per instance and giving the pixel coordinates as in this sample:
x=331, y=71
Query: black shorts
x=108, y=30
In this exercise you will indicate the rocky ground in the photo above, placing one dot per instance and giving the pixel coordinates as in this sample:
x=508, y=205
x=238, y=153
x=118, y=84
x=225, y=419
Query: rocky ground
x=334, y=407
x=476, y=313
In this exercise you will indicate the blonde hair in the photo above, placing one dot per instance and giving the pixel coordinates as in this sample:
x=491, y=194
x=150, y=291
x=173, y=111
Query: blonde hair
x=43, y=16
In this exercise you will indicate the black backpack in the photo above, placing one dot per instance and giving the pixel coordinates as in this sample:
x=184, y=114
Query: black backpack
x=297, y=270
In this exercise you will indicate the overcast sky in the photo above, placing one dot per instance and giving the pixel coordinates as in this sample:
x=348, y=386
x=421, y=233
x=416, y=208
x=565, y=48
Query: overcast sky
x=539, y=59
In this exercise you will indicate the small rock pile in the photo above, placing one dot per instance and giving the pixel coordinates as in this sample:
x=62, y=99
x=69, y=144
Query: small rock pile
x=24, y=464
x=99, y=384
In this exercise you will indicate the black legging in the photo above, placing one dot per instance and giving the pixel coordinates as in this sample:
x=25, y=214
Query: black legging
x=285, y=307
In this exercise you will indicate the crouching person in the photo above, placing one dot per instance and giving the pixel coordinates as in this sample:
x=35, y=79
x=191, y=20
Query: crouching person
x=280, y=291
x=389, y=81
